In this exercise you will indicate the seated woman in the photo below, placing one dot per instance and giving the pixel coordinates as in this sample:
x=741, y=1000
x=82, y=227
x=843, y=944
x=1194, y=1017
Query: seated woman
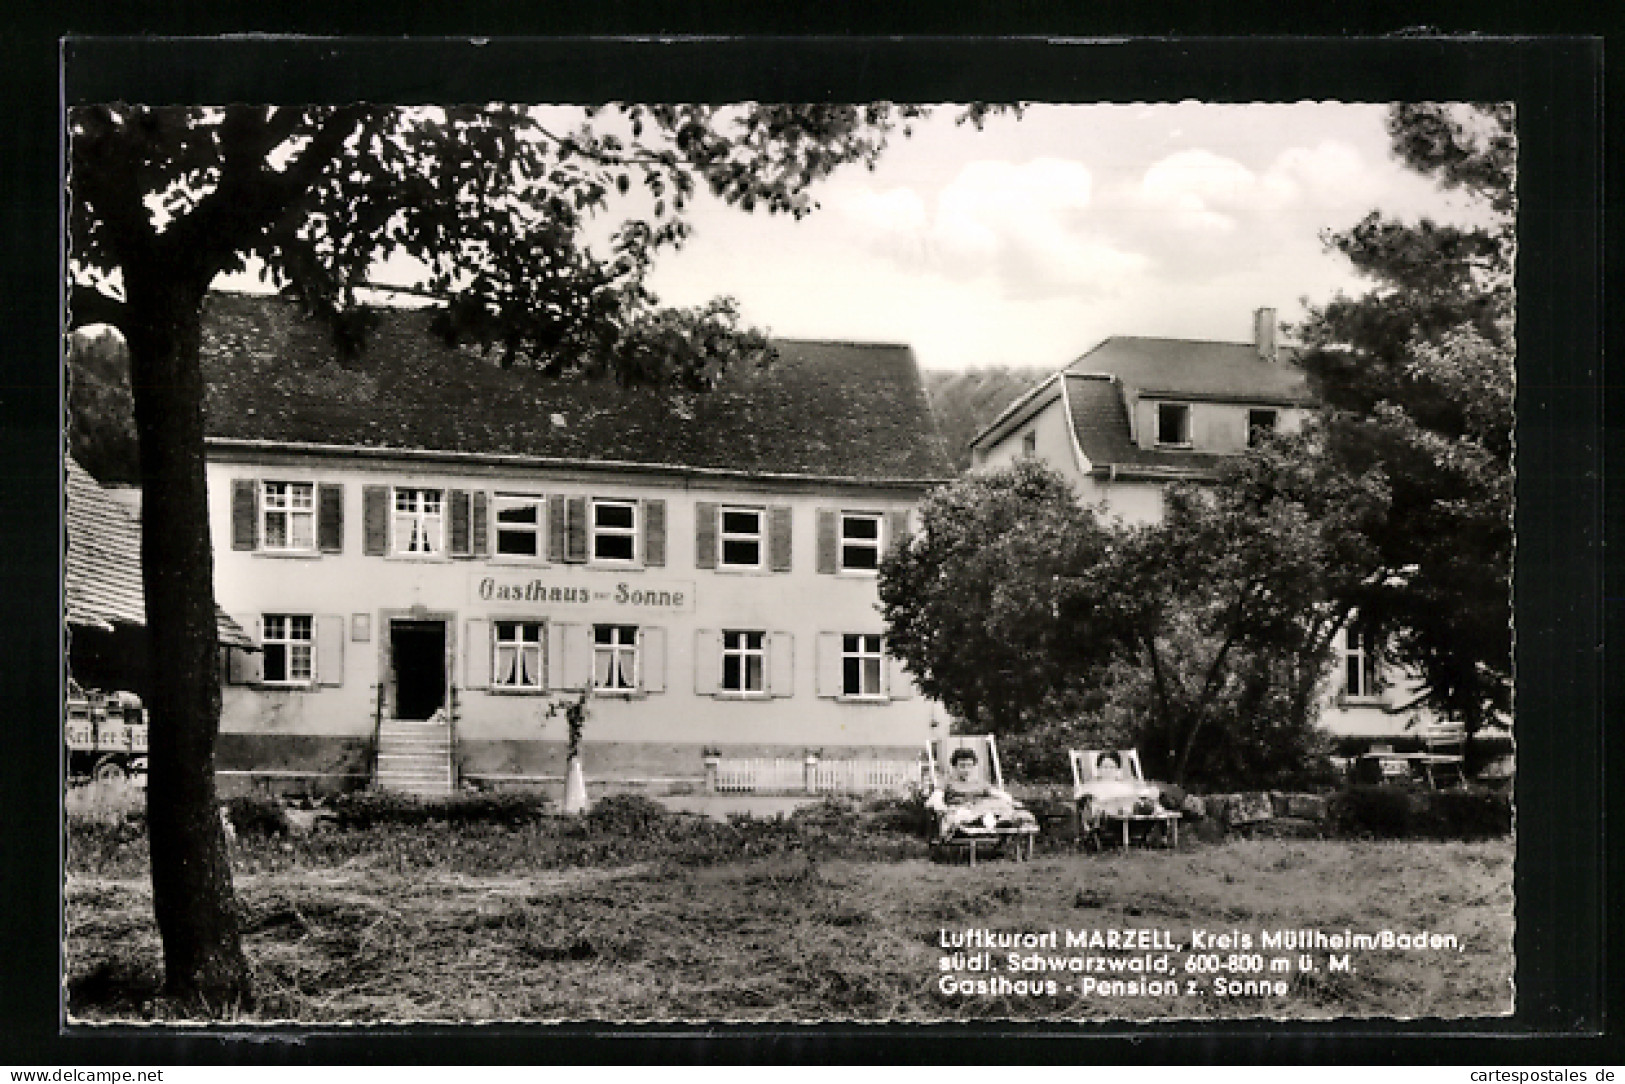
x=968, y=803
x=1111, y=793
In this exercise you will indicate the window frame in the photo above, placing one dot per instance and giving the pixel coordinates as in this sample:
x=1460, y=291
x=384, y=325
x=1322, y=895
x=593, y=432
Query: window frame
x=539, y=529
x=1185, y=413
x=595, y=531
x=521, y=646
x=617, y=648
x=744, y=653
x=862, y=656
x=842, y=542
x=758, y=538
x=289, y=645
x=1359, y=651
x=1029, y=442
x=422, y=517
x=267, y=510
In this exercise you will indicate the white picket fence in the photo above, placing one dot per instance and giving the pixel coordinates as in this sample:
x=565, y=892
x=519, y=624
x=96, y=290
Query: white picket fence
x=769, y=775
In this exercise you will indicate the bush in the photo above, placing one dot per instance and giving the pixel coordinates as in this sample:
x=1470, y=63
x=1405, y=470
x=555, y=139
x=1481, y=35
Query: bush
x=627, y=814
x=1371, y=810
x=366, y=809
x=1389, y=812
x=257, y=815
x=1468, y=814
x=907, y=815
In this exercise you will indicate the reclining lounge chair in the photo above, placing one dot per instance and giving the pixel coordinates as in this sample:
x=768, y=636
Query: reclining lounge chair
x=1112, y=795
x=974, y=813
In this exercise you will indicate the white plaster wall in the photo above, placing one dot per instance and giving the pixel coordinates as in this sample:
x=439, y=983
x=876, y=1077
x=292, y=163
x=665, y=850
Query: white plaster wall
x=801, y=602
x=1215, y=427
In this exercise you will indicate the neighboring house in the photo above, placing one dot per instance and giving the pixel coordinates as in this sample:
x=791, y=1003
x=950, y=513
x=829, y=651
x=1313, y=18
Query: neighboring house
x=103, y=603
x=418, y=534
x=1135, y=414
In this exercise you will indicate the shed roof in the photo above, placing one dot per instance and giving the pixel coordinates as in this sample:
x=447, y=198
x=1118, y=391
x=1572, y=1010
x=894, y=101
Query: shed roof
x=823, y=409
x=102, y=569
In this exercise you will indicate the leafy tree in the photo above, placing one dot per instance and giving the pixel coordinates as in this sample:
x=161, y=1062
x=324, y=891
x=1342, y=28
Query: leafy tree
x=1417, y=378
x=494, y=203
x=1238, y=591
x=996, y=605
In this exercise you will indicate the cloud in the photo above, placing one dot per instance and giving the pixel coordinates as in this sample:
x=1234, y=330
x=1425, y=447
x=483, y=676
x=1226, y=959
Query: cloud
x=1028, y=227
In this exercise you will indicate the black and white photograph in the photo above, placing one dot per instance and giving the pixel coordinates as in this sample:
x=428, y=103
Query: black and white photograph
x=824, y=563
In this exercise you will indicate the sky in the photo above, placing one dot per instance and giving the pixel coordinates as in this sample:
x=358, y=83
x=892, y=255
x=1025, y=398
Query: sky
x=1028, y=242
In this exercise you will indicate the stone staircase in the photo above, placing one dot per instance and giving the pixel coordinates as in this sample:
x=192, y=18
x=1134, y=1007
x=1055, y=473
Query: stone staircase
x=414, y=757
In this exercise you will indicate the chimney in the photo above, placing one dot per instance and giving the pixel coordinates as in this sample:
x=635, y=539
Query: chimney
x=1264, y=333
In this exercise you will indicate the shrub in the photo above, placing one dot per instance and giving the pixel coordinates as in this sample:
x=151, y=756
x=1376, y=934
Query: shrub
x=1468, y=814
x=257, y=815
x=1371, y=810
x=907, y=815
x=1389, y=812
x=627, y=814
x=366, y=809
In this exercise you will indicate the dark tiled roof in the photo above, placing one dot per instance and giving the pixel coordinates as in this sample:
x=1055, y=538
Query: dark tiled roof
x=1227, y=371
x=1100, y=422
x=825, y=409
x=102, y=570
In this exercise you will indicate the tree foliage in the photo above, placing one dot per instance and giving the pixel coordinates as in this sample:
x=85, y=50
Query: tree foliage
x=996, y=604
x=1417, y=378
x=497, y=205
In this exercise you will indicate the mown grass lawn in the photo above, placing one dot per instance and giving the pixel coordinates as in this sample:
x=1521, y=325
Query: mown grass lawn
x=479, y=925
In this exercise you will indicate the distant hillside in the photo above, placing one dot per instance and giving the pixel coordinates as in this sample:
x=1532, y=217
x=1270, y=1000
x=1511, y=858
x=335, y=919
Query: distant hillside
x=966, y=401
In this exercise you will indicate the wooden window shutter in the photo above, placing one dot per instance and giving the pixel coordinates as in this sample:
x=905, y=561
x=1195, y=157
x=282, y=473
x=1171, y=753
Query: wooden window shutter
x=482, y=524
x=707, y=661
x=569, y=656
x=329, y=649
x=828, y=542
x=705, y=535
x=575, y=530
x=554, y=648
x=781, y=664
x=375, y=520
x=654, y=533
x=555, y=528
x=898, y=684
x=245, y=667
x=829, y=664
x=778, y=537
x=462, y=542
x=652, y=659
x=330, y=518
x=476, y=653
x=245, y=513
x=896, y=528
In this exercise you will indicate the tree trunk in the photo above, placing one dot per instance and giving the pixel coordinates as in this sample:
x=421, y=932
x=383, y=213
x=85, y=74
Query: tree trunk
x=192, y=893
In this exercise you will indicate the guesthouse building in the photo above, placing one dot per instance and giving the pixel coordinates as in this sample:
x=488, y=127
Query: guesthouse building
x=434, y=555
x=1134, y=415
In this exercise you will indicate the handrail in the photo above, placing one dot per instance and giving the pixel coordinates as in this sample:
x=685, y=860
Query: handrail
x=451, y=732
x=377, y=730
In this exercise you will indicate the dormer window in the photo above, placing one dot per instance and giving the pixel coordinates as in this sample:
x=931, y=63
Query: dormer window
x=1260, y=424
x=1174, y=424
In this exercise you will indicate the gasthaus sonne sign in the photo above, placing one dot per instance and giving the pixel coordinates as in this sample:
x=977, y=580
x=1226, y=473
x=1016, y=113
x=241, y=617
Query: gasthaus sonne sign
x=564, y=589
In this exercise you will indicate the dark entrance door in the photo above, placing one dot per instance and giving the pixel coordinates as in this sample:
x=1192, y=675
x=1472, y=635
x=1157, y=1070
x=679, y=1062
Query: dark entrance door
x=417, y=655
